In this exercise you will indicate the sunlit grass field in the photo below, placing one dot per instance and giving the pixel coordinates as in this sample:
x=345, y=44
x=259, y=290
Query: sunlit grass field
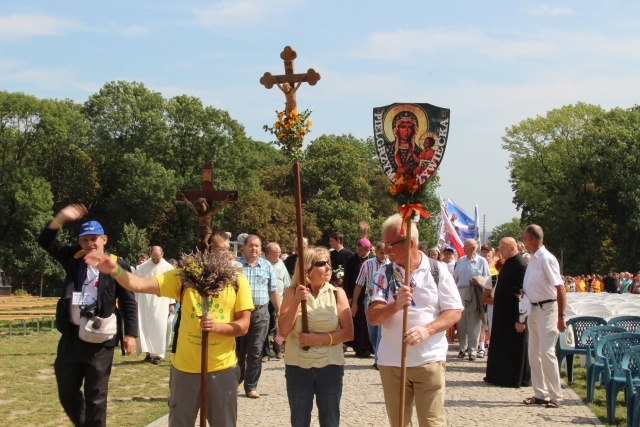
x=138, y=391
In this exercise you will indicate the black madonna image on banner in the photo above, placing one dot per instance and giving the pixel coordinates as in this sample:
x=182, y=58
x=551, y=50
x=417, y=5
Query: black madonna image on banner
x=410, y=139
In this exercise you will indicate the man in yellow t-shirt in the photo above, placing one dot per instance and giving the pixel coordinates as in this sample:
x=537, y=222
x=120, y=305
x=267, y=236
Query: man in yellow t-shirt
x=229, y=318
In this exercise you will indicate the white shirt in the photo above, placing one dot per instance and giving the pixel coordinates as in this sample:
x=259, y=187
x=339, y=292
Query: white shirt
x=89, y=294
x=542, y=276
x=429, y=300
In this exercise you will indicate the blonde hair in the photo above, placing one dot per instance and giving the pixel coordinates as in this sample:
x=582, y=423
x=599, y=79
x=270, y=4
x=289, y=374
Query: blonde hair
x=311, y=256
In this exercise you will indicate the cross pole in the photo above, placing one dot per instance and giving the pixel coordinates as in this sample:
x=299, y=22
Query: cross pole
x=289, y=83
x=207, y=189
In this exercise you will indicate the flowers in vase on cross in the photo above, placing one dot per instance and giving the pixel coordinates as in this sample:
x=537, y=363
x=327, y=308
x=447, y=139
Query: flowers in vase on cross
x=290, y=130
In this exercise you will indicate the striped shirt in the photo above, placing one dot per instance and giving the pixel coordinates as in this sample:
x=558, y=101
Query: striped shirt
x=367, y=271
x=261, y=278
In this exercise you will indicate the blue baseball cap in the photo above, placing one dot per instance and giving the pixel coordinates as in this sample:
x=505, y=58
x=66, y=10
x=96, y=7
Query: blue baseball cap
x=448, y=248
x=91, y=227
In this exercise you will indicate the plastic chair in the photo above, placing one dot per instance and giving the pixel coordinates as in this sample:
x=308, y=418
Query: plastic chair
x=578, y=325
x=630, y=323
x=631, y=367
x=590, y=339
x=611, y=349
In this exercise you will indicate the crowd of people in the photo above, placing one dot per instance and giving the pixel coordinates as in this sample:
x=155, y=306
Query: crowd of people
x=621, y=283
x=477, y=295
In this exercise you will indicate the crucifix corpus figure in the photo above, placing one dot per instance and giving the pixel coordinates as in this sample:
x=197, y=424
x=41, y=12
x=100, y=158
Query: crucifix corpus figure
x=203, y=205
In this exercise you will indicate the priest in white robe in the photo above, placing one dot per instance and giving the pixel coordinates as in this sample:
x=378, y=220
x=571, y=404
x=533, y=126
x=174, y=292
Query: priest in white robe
x=153, y=311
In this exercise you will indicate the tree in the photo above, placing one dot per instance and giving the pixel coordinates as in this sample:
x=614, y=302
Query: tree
x=508, y=229
x=571, y=172
x=132, y=242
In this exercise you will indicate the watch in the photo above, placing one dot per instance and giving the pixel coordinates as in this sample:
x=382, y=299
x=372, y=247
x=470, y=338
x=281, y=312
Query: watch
x=562, y=315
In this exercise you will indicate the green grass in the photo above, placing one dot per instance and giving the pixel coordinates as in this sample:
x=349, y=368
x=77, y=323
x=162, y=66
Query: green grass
x=138, y=391
x=599, y=404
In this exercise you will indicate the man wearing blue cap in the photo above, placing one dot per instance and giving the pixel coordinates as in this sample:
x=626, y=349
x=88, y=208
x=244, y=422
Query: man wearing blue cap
x=85, y=316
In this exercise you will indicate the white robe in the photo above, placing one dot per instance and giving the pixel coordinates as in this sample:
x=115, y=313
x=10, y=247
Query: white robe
x=153, y=312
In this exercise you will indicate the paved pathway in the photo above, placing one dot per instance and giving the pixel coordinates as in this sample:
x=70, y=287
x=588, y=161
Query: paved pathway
x=469, y=401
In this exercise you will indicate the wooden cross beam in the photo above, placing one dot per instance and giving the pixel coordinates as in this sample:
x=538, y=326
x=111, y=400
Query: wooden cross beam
x=289, y=82
x=207, y=191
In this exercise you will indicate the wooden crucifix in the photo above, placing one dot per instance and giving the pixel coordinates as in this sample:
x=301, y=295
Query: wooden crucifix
x=289, y=84
x=204, y=205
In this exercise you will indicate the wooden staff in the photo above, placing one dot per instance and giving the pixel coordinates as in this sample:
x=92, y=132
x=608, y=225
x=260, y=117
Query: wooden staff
x=289, y=83
x=405, y=321
x=297, y=189
x=204, y=365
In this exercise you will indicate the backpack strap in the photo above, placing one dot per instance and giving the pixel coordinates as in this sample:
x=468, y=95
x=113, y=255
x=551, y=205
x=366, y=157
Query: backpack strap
x=435, y=270
x=174, y=343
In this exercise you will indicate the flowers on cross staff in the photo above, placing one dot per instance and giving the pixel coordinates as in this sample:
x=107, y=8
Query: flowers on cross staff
x=207, y=272
x=290, y=130
x=405, y=183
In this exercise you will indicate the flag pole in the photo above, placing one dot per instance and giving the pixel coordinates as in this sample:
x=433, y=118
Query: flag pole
x=405, y=321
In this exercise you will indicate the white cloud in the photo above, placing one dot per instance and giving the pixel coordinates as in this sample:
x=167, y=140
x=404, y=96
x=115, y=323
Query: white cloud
x=230, y=13
x=546, y=10
x=19, y=74
x=410, y=45
x=20, y=26
x=133, y=30
x=465, y=46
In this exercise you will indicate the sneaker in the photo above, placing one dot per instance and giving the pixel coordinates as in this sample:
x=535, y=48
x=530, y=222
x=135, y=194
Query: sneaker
x=461, y=355
x=279, y=356
x=148, y=358
x=481, y=354
x=156, y=360
x=472, y=357
x=253, y=394
x=265, y=359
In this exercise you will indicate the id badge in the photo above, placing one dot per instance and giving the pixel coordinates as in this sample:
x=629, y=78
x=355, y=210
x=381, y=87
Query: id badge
x=76, y=298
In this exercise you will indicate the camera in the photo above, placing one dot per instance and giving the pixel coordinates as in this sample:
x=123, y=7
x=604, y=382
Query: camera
x=89, y=311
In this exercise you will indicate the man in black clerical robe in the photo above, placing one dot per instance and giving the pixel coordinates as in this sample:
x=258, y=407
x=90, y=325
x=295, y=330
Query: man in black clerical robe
x=360, y=344
x=508, y=362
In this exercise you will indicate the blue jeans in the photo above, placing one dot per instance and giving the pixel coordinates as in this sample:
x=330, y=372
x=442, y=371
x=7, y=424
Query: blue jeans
x=323, y=383
x=375, y=332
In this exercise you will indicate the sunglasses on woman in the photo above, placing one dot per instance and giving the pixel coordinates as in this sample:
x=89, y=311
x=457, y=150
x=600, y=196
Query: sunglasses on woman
x=321, y=263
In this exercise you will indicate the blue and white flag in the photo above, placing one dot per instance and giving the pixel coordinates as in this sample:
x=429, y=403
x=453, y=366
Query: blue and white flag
x=464, y=225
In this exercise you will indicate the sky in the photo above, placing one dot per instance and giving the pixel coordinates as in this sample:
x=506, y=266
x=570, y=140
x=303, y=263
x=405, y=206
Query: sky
x=492, y=63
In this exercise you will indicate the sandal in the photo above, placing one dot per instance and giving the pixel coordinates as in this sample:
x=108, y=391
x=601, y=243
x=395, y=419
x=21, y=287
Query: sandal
x=534, y=401
x=553, y=404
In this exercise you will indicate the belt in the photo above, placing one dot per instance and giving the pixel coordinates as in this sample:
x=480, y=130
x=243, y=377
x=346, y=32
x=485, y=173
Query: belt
x=541, y=303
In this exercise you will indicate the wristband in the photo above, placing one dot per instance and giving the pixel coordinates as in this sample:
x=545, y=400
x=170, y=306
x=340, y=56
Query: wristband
x=330, y=339
x=119, y=272
x=562, y=315
x=56, y=223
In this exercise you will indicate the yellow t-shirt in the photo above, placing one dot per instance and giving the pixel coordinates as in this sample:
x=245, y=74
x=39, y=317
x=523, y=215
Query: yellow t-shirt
x=222, y=349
